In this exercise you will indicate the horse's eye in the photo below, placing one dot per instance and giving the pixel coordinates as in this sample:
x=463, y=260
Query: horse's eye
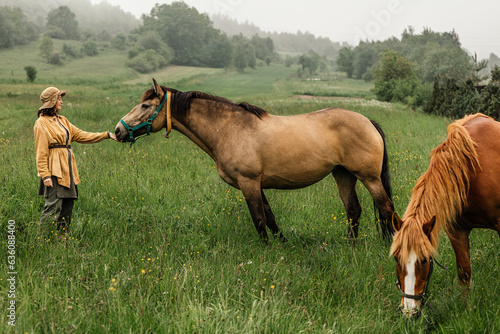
x=424, y=261
x=145, y=106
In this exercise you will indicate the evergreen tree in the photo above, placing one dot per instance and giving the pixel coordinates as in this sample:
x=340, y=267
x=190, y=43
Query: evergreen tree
x=465, y=101
x=477, y=66
x=495, y=74
x=489, y=100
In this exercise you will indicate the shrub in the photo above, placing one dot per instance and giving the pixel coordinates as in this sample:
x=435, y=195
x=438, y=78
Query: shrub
x=147, y=61
x=134, y=52
x=30, y=73
x=90, y=48
x=69, y=51
x=139, y=64
x=118, y=42
x=55, y=59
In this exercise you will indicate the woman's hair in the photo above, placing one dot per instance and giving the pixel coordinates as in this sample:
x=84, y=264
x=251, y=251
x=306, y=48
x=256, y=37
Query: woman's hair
x=47, y=112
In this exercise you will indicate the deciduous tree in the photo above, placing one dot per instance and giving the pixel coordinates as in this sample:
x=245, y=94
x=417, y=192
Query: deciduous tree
x=62, y=24
x=345, y=61
x=46, y=48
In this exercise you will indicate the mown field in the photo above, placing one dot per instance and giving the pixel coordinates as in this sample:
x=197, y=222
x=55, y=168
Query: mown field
x=159, y=244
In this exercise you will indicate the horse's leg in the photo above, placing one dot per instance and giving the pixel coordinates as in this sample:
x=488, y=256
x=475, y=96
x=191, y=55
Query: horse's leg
x=346, y=184
x=382, y=202
x=270, y=219
x=253, y=196
x=459, y=239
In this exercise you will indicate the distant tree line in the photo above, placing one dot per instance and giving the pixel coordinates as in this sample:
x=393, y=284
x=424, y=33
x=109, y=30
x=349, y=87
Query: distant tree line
x=171, y=34
x=100, y=20
x=416, y=70
x=17, y=26
x=434, y=54
x=396, y=80
x=300, y=42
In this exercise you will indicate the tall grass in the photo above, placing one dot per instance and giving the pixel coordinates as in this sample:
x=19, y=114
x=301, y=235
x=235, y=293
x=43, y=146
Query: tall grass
x=335, y=86
x=159, y=244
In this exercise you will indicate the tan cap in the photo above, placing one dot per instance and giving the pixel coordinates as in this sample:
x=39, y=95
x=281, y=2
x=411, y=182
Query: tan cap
x=50, y=96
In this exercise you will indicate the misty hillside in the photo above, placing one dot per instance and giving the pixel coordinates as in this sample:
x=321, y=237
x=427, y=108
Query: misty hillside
x=95, y=18
x=299, y=42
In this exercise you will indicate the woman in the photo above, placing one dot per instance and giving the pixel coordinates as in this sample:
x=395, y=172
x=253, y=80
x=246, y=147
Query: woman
x=56, y=163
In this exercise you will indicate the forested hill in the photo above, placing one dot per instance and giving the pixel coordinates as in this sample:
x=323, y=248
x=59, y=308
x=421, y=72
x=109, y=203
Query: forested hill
x=300, y=42
x=95, y=18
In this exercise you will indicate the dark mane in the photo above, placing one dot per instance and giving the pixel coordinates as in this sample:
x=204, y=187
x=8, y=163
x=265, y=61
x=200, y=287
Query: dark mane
x=182, y=101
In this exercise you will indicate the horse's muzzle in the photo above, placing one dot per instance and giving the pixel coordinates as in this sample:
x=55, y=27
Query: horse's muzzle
x=411, y=313
x=121, y=134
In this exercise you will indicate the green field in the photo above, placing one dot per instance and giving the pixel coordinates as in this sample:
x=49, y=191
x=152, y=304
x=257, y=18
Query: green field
x=160, y=244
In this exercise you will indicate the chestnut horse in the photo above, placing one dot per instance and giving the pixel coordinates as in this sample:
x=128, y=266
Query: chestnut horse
x=254, y=150
x=459, y=191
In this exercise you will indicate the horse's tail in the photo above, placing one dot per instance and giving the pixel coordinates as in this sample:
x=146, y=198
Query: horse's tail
x=385, y=223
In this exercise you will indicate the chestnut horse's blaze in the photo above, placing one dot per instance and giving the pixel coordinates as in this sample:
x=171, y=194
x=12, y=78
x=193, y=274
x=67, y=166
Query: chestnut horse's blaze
x=254, y=150
x=458, y=192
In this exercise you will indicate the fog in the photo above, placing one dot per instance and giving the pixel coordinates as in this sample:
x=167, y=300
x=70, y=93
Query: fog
x=477, y=24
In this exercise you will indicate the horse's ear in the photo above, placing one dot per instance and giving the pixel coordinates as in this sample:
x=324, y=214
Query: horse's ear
x=396, y=221
x=429, y=226
x=159, y=92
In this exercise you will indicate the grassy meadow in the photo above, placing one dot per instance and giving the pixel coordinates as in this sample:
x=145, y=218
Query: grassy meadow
x=160, y=244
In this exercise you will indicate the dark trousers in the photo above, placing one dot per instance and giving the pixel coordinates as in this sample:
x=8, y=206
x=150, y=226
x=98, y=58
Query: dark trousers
x=57, y=212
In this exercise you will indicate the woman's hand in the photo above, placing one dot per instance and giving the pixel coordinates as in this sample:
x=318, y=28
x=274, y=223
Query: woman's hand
x=48, y=182
x=112, y=136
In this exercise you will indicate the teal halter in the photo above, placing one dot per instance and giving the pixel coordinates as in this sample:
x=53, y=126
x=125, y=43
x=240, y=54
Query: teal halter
x=146, y=124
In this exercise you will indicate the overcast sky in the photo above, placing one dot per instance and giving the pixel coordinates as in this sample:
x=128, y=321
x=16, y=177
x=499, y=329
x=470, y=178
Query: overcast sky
x=476, y=22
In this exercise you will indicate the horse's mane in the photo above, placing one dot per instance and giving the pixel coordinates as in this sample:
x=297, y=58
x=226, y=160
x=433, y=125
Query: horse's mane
x=441, y=191
x=182, y=101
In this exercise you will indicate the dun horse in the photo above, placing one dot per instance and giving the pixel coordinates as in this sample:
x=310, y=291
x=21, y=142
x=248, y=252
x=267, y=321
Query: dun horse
x=458, y=192
x=254, y=150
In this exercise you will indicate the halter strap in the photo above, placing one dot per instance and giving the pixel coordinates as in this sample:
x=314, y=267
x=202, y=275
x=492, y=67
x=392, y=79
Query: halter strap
x=169, y=114
x=166, y=99
x=422, y=295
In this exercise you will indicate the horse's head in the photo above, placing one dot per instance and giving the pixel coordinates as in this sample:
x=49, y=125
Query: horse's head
x=147, y=116
x=413, y=251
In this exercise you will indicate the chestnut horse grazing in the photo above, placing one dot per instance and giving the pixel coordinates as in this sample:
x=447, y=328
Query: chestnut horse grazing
x=459, y=191
x=254, y=150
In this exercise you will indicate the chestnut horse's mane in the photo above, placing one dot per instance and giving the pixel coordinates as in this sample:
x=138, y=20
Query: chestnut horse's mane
x=182, y=101
x=441, y=191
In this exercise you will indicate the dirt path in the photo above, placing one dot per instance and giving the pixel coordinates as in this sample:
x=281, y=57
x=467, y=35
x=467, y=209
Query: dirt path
x=311, y=97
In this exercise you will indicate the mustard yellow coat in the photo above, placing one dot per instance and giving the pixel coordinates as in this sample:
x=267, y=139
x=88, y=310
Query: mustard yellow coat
x=56, y=161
